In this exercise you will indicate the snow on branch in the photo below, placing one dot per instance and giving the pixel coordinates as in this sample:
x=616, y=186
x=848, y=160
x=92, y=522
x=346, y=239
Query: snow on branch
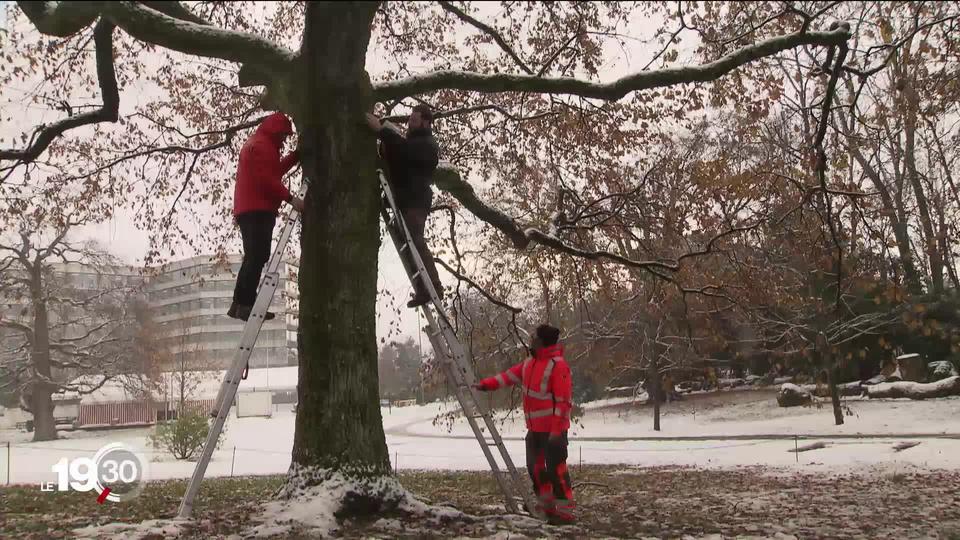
x=60, y=19
x=612, y=91
x=201, y=39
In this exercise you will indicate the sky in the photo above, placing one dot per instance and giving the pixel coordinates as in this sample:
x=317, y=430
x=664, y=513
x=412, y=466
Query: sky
x=129, y=243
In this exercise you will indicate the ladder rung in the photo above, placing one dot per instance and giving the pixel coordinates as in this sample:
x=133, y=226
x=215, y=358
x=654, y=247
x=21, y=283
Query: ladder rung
x=404, y=246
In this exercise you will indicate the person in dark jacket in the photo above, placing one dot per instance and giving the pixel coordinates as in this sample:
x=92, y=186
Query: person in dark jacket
x=257, y=197
x=411, y=161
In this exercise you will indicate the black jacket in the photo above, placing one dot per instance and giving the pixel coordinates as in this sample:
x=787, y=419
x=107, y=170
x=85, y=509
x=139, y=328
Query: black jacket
x=411, y=161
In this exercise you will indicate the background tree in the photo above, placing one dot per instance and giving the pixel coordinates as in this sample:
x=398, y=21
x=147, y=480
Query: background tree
x=69, y=323
x=399, y=368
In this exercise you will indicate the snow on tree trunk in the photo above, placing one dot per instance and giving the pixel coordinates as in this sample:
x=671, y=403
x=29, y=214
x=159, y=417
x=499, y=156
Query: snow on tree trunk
x=339, y=444
x=913, y=390
x=791, y=395
x=846, y=389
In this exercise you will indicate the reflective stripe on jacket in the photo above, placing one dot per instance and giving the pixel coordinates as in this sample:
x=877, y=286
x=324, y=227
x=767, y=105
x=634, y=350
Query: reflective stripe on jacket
x=547, y=389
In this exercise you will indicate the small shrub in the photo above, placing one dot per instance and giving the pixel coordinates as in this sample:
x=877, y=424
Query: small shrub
x=184, y=437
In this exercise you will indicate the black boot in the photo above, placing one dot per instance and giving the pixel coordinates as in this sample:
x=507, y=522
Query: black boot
x=419, y=299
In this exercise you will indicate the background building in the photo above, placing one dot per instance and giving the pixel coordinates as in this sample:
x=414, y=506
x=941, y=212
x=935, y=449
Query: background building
x=188, y=302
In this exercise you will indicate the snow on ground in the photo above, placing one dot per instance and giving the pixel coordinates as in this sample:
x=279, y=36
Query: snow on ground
x=756, y=413
x=263, y=445
x=151, y=528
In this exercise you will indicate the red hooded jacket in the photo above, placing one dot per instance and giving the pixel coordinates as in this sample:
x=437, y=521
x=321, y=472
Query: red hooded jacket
x=260, y=170
x=547, y=389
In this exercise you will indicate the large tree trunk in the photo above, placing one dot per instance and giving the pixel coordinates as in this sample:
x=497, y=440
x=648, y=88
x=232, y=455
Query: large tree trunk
x=41, y=404
x=339, y=430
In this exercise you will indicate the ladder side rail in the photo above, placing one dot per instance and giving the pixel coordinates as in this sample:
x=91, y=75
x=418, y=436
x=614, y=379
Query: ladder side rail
x=471, y=409
x=415, y=255
x=454, y=362
x=272, y=266
x=269, y=282
x=247, y=342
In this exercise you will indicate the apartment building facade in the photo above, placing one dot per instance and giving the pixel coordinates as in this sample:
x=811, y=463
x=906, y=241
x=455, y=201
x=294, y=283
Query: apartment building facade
x=188, y=301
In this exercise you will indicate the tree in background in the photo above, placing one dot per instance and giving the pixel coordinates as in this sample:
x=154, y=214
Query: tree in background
x=399, y=368
x=70, y=321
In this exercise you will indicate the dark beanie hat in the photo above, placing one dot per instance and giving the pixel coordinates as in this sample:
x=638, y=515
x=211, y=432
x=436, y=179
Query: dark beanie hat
x=548, y=334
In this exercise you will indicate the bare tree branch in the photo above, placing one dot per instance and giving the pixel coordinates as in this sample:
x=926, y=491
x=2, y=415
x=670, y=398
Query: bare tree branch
x=490, y=31
x=473, y=109
x=612, y=91
x=476, y=286
x=108, y=112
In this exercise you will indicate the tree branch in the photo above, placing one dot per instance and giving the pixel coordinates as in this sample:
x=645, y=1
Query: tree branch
x=612, y=91
x=448, y=179
x=108, y=112
x=476, y=286
x=200, y=39
x=176, y=10
x=486, y=29
x=472, y=109
x=60, y=19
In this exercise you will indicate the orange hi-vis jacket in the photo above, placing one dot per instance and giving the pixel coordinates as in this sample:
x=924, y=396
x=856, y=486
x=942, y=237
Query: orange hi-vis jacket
x=547, y=389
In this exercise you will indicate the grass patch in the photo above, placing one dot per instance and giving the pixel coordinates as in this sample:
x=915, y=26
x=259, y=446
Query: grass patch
x=613, y=501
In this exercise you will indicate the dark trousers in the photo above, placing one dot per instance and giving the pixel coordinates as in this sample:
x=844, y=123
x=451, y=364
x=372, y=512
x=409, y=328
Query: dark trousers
x=547, y=465
x=416, y=220
x=256, y=229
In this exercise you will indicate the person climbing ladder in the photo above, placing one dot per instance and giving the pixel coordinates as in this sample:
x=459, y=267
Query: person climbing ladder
x=411, y=161
x=257, y=197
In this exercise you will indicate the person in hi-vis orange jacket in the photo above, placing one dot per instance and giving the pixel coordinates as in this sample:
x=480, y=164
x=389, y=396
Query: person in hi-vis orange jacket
x=547, y=393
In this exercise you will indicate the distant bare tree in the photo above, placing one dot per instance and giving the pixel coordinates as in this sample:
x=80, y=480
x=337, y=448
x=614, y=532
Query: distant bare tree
x=63, y=331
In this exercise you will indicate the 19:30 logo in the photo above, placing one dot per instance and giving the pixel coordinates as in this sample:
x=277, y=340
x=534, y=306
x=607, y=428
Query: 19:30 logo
x=116, y=472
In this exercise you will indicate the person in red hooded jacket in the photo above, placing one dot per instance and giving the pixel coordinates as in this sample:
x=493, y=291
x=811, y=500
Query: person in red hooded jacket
x=547, y=400
x=257, y=197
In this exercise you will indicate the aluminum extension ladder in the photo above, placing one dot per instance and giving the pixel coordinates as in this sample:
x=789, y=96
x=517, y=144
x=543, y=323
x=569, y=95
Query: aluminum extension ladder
x=453, y=358
x=238, y=370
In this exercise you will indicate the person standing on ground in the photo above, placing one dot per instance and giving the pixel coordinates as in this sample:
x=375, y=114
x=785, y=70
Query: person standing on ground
x=257, y=197
x=547, y=401
x=411, y=161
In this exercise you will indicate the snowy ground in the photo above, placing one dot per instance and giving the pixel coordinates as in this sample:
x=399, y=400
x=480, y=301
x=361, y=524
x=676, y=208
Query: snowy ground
x=262, y=445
